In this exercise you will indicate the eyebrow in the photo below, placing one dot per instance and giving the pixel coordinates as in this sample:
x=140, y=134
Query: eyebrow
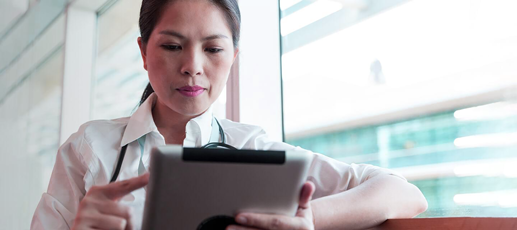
x=181, y=36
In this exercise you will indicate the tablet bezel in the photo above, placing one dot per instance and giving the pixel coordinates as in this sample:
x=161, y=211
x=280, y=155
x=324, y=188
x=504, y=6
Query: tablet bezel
x=261, y=181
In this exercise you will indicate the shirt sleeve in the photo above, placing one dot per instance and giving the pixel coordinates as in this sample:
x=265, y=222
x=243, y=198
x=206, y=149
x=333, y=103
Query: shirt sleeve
x=58, y=206
x=329, y=175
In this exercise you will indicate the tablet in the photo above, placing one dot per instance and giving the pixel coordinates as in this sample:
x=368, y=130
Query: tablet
x=194, y=188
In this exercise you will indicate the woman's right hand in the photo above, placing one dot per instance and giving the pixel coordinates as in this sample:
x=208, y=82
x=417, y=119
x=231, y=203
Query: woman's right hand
x=100, y=209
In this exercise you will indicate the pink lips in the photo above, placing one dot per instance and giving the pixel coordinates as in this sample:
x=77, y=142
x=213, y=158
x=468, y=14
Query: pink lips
x=191, y=91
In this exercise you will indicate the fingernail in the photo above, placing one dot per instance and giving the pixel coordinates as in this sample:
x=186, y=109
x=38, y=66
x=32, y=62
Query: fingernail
x=241, y=220
x=123, y=224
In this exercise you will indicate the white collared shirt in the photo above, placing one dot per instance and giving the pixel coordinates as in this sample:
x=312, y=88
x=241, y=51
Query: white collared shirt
x=90, y=155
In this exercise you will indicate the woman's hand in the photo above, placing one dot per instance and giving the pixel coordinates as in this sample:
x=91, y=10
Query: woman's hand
x=302, y=220
x=99, y=209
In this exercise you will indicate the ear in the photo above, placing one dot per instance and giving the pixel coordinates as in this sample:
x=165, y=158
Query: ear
x=143, y=47
x=235, y=53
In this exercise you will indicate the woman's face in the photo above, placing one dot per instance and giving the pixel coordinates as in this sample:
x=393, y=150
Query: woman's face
x=189, y=55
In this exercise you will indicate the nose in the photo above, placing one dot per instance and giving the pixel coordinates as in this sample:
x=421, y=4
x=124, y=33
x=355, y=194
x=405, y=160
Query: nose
x=192, y=63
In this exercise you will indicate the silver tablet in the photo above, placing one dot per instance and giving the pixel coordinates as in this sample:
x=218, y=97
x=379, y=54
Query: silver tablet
x=192, y=188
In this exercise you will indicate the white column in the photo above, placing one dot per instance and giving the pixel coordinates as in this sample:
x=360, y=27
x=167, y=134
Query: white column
x=232, y=93
x=259, y=67
x=78, y=69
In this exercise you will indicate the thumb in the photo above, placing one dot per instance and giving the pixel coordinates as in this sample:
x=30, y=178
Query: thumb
x=308, y=189
x=119, y=189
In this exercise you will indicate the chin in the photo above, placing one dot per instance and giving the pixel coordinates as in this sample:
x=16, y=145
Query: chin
x=194, y=110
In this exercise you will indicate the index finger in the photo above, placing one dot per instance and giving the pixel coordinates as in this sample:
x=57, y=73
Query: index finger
x=119, y=189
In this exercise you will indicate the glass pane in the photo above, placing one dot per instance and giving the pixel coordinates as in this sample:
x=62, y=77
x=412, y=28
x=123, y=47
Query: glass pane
x=120, y=76
x=10, y=11
x=26, y=25
x=424, y=87
x=30, y=121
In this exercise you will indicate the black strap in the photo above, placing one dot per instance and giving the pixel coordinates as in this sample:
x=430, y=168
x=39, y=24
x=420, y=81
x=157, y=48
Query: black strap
x=119, y=164
x=217, y=145
x=209, y=145
x=221, y=133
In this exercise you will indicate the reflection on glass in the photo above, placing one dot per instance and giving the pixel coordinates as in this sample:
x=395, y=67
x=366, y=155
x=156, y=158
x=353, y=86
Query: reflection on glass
x=120, y=78
x=391, y=84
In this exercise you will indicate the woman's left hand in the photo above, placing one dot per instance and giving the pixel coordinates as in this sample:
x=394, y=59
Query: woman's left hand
x=302, y=220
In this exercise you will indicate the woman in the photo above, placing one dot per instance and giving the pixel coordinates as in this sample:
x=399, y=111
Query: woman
x=188, y=47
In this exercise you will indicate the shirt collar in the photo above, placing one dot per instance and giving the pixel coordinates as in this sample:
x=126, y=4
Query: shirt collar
x=198, y=129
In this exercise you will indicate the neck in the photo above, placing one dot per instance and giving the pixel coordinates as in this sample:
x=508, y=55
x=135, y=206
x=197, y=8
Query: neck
x=170, y=123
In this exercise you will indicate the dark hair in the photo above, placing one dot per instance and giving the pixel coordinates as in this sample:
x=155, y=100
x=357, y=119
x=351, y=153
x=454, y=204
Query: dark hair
x=151, y=11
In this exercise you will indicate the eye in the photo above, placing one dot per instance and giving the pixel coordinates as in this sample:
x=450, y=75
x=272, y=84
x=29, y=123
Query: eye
x=171, y=47
x=213, y=50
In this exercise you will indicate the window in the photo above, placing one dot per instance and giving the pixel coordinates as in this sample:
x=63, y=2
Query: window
x=30, y=111
x=422, y=87
x=120, y=78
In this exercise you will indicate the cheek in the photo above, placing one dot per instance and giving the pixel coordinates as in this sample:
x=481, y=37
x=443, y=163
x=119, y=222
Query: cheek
x=159, y=65
x=223, y=65
x=156, y=63
x=219, y=72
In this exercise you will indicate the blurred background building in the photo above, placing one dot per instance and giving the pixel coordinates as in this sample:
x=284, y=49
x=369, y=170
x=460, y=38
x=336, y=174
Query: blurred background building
x=425, y=87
